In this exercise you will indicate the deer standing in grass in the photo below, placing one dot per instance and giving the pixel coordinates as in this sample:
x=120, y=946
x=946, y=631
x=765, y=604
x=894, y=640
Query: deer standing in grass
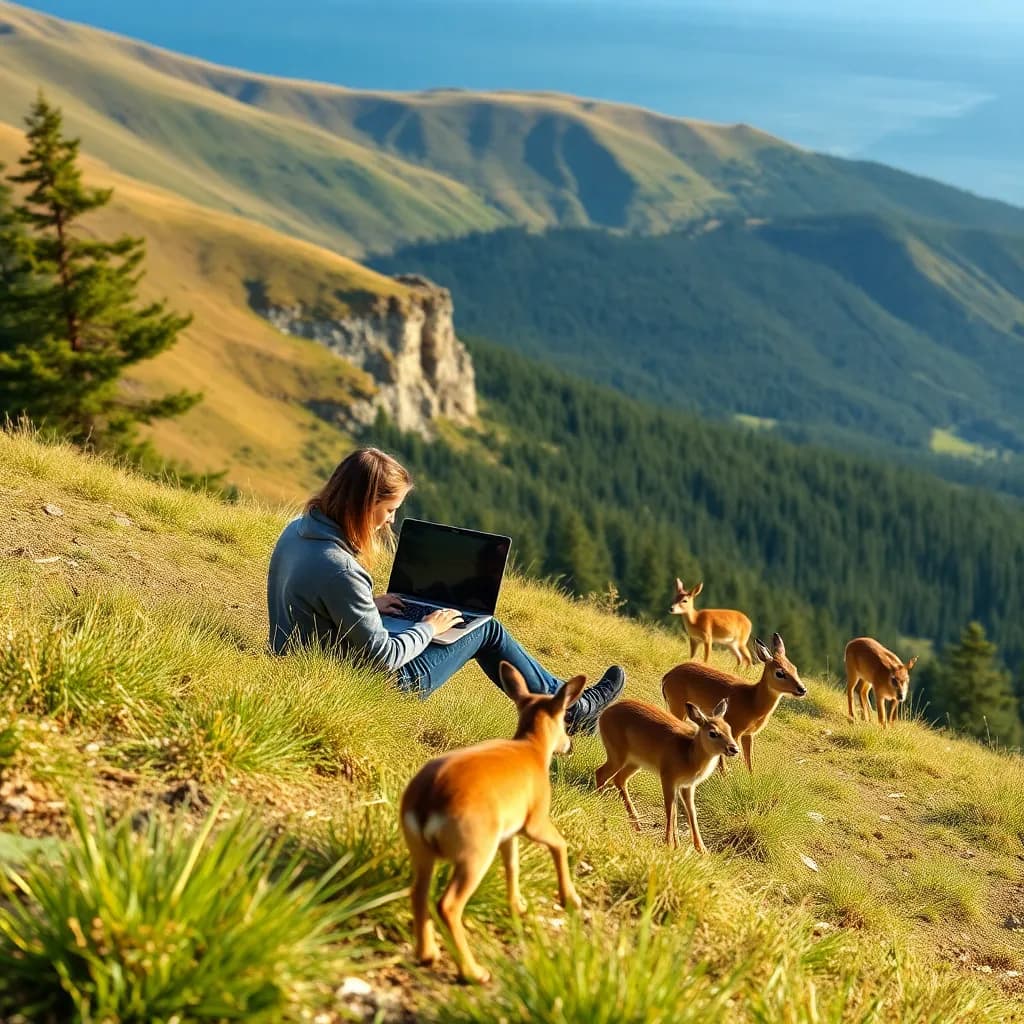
x=469, y=803
x=869, y=666
x=638, y=735
x=712, y=625
x=750, y=704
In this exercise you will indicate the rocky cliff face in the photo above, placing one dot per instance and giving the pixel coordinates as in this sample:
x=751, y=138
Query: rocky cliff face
x=407, y=345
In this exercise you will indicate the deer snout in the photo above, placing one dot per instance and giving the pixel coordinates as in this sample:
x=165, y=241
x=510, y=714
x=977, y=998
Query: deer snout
x=732, y=750
x=801, y=690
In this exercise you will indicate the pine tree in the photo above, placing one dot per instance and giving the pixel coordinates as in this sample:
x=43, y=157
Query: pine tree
x=15, y=273
x=86, y=322
x=970, y=690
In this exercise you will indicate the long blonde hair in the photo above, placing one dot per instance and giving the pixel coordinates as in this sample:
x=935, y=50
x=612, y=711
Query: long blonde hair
x=361, y=480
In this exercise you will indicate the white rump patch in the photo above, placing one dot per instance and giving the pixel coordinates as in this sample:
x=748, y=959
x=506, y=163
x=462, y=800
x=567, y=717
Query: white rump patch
x=435, y=822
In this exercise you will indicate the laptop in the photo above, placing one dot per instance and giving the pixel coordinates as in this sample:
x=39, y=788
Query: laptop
x=438, y=566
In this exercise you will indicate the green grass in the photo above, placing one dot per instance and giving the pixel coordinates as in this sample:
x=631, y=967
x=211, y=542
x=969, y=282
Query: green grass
x=947, y=442
x=312, y=757
x=170, y=923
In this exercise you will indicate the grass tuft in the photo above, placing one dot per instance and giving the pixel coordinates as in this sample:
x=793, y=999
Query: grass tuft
x=175, y=923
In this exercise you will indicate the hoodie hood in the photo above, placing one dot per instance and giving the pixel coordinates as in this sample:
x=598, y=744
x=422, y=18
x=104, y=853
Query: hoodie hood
x=316, y=526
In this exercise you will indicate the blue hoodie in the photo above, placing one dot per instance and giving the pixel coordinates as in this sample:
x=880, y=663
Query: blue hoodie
x=318, y=593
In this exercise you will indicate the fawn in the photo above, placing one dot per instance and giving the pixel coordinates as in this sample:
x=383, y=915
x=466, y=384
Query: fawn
x=712, y=625
x=467, y=804
x=750, y=704
x=683, y=753
x=869, y=665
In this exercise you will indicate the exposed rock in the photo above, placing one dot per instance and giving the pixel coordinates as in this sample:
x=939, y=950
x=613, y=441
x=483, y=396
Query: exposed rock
x=407, y=346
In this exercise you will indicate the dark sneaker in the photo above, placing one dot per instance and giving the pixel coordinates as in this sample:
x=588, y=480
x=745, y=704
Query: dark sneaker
x=581, y=718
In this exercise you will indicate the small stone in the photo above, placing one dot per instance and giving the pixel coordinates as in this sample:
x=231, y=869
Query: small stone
x=896, y=796
x=820, y=927
x=354, y=988
x=53, y=510
x=583, y=868
x=46, y=560
x=19, y=803
x=809, y=861
x=1013, y=974
x=884, y=817
x=92, y=748
x=815, y=815
x=985, y=969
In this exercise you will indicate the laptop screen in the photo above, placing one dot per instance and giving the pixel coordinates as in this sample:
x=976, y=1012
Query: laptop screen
x=449, y=566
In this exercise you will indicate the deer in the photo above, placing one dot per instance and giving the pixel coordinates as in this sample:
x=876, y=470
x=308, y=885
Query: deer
x=869, y=666
x=712, y=625
x=683, y=754
x=750, y=704
x=469, y=803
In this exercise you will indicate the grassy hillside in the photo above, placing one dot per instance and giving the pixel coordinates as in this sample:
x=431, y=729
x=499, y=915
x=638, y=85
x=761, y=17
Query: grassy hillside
x=367, y=171
x=258, y=384
x=855, y=326
x=854, y=877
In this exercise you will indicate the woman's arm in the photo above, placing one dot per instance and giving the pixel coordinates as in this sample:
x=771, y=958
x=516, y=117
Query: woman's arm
x=348, y=600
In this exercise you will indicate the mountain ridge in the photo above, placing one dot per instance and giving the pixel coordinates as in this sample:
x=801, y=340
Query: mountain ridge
x=361, y=171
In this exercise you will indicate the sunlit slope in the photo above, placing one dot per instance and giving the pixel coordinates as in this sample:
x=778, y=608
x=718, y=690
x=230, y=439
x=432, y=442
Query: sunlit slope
x=857, y=875
x=257, y=383
x=363, y=170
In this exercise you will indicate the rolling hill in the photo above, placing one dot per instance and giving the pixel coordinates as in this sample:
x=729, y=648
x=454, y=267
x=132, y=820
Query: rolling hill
x=852, y=329
x=855, y=876
x=360, y=171
x=258, y=383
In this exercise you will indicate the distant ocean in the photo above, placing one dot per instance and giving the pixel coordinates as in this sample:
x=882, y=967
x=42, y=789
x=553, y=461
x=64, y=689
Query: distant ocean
x=932, y=97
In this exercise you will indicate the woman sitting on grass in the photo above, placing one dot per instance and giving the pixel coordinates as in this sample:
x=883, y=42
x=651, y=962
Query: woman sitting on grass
x=318, y=594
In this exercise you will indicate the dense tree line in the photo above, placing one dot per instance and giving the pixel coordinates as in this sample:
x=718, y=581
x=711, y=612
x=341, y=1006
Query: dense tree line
x=821, y=546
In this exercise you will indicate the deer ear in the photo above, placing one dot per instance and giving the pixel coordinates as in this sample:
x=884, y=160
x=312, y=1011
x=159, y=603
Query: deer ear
x=695, y=713
x=778, y=646
x=720, y=708
x=570, y=692
x=912, y=663
x=512, y=682
x=762, y=652
x=679, y=585
x=697, y=589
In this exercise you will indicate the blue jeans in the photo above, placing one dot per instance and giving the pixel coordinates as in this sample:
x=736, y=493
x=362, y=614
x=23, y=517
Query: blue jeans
x=489, y=645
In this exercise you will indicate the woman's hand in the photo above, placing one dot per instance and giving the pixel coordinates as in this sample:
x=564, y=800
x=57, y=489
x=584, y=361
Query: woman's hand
x=442, y=619
x=388, y=604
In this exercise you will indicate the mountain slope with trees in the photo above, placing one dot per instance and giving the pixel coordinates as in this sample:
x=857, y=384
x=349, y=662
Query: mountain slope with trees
x=850, y=328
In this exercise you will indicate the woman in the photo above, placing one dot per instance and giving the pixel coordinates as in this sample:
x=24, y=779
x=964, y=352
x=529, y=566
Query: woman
x=318, y=594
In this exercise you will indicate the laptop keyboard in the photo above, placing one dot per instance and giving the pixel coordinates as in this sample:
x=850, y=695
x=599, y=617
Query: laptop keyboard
x=416, y=612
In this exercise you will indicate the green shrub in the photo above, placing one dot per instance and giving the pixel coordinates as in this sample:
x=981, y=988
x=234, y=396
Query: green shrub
x=175, y=923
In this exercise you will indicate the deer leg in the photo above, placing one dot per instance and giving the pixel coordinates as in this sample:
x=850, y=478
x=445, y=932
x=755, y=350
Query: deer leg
x=469, y=870
x=691, y=814
x=546, y=834
x=864, y=703
x=607, y=771
x=623, y=776
x=510, y=857
x=852, y=682
x=422, y=926
x=735, y=648
x=707, y=649
x=668, y=790
x=693, y=647
x=894, y=706
x=880, y=703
